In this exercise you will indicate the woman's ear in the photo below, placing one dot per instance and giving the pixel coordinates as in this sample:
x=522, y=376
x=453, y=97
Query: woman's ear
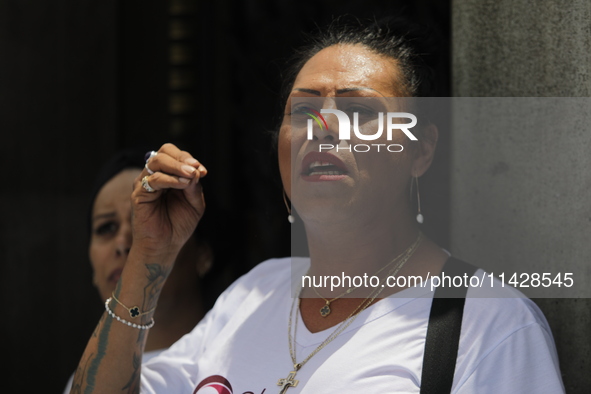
x=426, y=150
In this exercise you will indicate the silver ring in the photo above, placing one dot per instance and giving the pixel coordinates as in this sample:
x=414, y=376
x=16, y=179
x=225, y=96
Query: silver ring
x=148, y=156
x=146, y=185
x=148, y=169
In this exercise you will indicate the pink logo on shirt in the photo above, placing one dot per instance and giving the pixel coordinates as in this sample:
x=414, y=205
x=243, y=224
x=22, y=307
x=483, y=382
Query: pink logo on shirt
x=214, y=384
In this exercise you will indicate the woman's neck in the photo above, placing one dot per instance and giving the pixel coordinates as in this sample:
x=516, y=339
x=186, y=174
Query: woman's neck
x=356, y=247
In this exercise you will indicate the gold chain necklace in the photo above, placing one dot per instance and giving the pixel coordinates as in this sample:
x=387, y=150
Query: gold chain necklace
x=325, y=310
x=290, y=380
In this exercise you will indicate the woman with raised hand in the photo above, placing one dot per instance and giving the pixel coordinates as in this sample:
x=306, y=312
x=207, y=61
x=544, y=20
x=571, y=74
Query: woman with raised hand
x=270, y=333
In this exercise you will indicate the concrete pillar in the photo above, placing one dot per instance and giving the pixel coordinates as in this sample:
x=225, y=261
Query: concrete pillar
x=513, y=200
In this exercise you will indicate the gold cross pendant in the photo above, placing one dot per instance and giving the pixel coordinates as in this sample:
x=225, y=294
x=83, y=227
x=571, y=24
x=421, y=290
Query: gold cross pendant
x=288, y=382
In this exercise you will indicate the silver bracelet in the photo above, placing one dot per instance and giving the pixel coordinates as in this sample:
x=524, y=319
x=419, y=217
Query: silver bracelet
x=130, y=324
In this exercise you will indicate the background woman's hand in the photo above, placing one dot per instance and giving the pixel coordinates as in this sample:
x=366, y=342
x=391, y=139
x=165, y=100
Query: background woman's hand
x=163, y=220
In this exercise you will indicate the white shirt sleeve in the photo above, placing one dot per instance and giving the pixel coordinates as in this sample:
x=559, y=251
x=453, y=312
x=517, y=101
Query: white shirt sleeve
x=69, y=384
x=524, y=362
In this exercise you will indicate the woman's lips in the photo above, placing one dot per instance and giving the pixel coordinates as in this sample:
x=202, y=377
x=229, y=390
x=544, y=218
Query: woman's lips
x=322, y=166
x=321, y=178
x=115, y=275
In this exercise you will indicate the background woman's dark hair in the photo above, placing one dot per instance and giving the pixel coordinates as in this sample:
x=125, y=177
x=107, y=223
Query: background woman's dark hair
x=122, y=160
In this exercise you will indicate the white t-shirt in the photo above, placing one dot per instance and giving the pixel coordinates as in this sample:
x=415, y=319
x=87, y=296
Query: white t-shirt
x=241, y=346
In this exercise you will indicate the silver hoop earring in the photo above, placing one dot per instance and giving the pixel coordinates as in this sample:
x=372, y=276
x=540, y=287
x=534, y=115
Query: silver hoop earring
x=420, y=217
x=290, y=217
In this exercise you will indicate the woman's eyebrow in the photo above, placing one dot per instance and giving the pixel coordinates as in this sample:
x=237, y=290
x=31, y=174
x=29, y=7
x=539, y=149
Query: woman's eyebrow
x=347, y=90
x=311, y=91
x=104, y=216
x=340, y=91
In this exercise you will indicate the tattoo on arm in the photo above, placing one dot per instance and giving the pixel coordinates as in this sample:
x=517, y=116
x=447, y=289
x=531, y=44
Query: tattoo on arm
x=78, y=380
x=96, y=329
x=103, y=339
x=133, y=385
x=156, y=278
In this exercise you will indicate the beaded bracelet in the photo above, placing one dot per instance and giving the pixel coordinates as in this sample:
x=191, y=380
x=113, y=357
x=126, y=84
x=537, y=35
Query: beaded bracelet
x=130, y=324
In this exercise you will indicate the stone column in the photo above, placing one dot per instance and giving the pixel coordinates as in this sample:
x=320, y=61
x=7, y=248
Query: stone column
x=526, y=201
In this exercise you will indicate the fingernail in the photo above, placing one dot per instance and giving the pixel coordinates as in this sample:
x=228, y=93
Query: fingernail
x=184, y=180
x=188, y=169
x=190, y=161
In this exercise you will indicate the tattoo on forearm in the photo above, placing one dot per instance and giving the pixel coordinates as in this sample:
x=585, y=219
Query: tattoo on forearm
x=80, y=375
x=96, y=329
x=133, y=385
x=78, y=380
x=156, y=275
x=102, y=341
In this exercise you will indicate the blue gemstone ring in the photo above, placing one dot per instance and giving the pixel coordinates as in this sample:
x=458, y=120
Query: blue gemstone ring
x=149, y=155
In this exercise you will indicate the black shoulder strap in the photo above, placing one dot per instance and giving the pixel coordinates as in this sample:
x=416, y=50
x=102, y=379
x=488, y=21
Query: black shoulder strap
x=443, y=331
